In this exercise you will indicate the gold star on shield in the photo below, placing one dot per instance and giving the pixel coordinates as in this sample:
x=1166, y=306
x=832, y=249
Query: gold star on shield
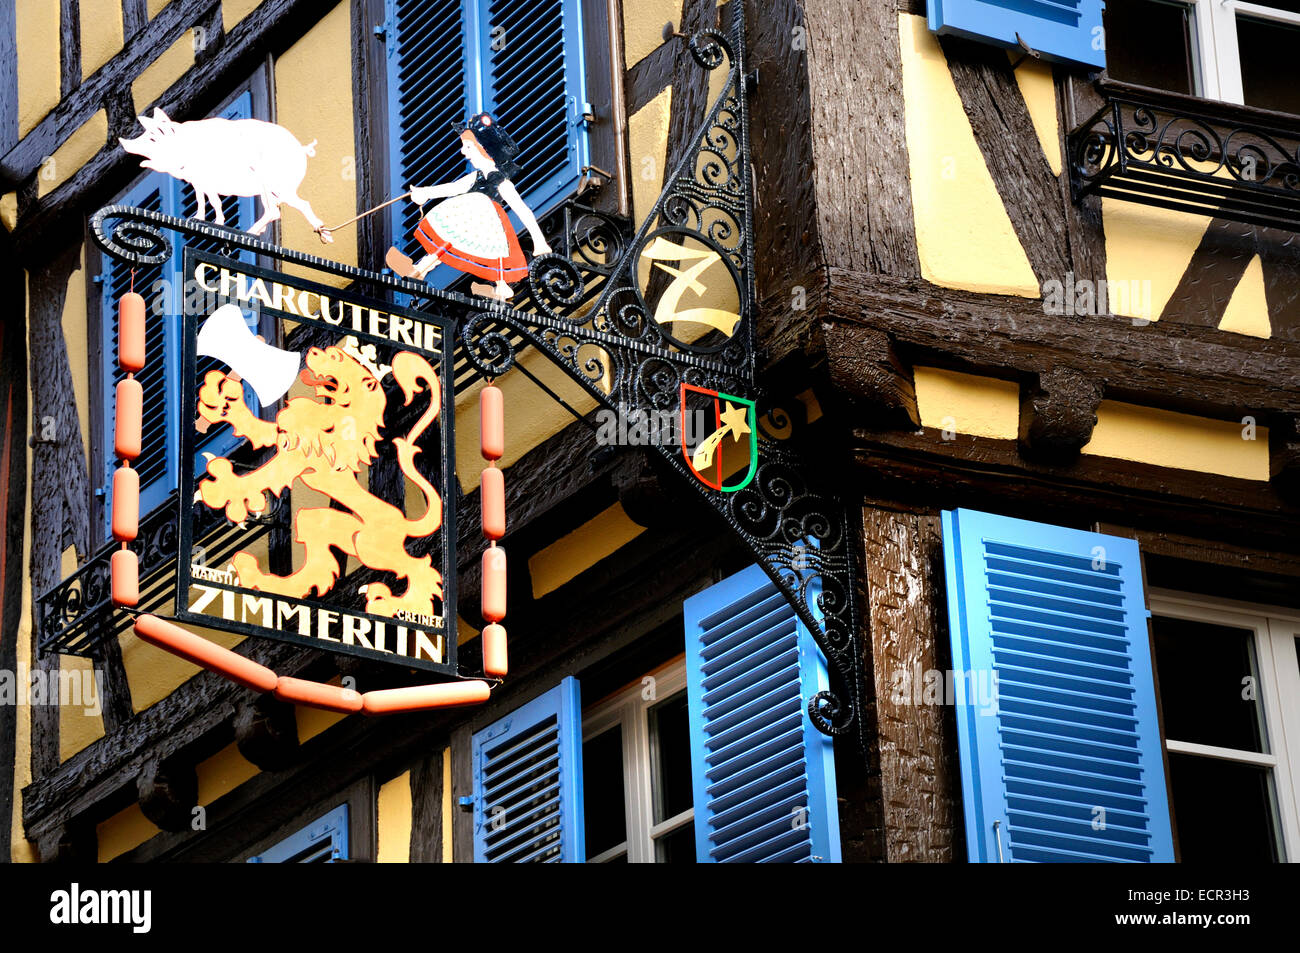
x=736, y=420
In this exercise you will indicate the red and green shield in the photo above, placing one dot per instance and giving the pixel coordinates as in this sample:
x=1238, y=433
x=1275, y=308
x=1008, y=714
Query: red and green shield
x=711, y=423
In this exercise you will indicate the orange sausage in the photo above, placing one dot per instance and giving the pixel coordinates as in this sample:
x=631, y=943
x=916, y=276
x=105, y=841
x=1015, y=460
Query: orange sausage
x=124, y=570
x=130, y=332
x=201, y=652
x=494, y=584
x=494, y=650
x=130, y=413
x=424, y=697
x=492, y=422
x=492, y=501
x=126, y=504
x=317, y=695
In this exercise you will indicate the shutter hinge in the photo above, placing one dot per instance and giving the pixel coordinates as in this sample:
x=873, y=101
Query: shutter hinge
x=381, y=33
x=465, y=803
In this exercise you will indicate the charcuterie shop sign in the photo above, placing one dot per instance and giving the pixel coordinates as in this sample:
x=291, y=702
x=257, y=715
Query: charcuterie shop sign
x=325, y=519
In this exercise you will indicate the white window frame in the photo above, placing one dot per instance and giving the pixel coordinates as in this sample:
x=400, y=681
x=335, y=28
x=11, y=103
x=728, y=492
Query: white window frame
x=1276, y=630
x=1217, y=70
x=630, y=708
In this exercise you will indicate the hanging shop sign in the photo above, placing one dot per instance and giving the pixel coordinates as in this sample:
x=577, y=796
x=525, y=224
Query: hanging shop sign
x=351, y=471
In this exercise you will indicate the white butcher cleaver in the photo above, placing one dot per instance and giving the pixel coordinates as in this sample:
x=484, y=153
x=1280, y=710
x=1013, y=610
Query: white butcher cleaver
x=269, y=370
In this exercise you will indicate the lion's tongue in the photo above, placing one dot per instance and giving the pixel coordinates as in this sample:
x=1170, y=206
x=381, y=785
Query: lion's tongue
x=311, y=380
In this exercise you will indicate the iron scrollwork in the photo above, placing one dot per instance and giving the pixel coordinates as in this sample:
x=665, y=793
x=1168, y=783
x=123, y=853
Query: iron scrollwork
x=593, y=308
x=1162, y=150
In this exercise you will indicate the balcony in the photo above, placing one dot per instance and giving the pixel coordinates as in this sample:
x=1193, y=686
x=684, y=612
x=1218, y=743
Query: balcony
x=1188, y=154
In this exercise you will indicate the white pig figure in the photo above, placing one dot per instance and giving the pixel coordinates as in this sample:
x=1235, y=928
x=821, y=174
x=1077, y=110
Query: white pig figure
x=229, y=157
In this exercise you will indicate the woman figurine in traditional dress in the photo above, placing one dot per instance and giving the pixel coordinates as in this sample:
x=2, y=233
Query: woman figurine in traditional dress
x=470, y=231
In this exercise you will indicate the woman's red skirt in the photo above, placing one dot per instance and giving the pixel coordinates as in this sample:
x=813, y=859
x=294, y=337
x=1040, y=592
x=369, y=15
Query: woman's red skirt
x=509, y=269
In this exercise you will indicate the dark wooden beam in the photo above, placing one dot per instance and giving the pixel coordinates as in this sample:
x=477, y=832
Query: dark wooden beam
x=168, y=793
x=1284, y=456
x=8, y=75
x=116, y=703
x=135, y=14
x=919, y=783
x=75, y=844
x=1058, y=412
x=651, y=75
x=927, y=470
x=266, y=732
x=69, y=46
x=426, y=809
x=866, y=370
x=1199, y=370
x=858, y=165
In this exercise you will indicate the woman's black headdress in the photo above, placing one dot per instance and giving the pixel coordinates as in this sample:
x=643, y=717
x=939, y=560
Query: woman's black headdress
x=496, y=142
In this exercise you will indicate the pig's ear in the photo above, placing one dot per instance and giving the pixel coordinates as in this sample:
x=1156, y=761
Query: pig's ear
x=159, y=116
x=147, y=124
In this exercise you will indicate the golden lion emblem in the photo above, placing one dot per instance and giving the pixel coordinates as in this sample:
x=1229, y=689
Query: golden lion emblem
x=323, y=443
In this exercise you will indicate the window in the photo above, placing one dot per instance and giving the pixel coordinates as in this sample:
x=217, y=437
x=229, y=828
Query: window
x=1219, y=49
x=710, y=758
x=636, y=757
x=162, y=287
x=323, y=841
x=1230, y=699
x=523, y=61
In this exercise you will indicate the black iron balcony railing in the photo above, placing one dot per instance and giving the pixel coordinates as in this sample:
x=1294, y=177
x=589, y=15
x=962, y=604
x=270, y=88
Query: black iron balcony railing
x=1190, y=155
x=77, y=615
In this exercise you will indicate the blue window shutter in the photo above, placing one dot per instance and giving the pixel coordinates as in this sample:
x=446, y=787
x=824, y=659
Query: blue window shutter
x=1064, y=763
x=535, y=84
x=442, y=68
x=528, y=782
x=429, y=72
x=157, y=284
x=1068, y=31
x=764, y=776
x=240, y=212
x=323, y=841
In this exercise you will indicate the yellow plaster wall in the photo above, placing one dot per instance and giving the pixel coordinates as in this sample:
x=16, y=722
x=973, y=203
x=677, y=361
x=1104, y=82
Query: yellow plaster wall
x=1168, y=439
x=316, y=103
x=1247, y=310
x=581, y=549
x=78, y=149
x=81, y=719
x=964, y=238
x=313, y=721
x=153, y=673
x=222, y=773
x=232, y=11
x=101, y=33
x=20, y=849
x=162, y=72
x=531, y=415
x=124, y=831
x=647, y=139
x=76, y=335
x=155, y=6
x=9, y=210
x=393, y=827
x=643, y=24
x=1036, y=84
x=1148, y=244
x=39, y=70
x=966, y=403
x=446, y=806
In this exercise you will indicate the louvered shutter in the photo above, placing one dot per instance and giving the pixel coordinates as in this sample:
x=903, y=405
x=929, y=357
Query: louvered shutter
x=534, y=82
x=429, y=72
x=1068, y=31
x=323, y=841
x=764, y=776
x=521, y=60
x=528, y=782
x=157, y=464
x=240, y=212
x=1064, y=762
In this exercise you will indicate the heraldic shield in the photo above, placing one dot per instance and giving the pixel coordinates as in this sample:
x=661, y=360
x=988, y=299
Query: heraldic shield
x=719, y=437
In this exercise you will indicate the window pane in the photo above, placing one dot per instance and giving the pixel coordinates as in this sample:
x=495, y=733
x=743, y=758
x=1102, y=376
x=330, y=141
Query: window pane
x=1268, y=50
x=1223, y=810
x=1209, y=692
x=602, y=791
x=677, y=847
x=1150, y=43
x=671, y=740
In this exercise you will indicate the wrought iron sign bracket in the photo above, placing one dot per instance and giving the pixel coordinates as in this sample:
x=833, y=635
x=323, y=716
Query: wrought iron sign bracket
x=652, y=322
